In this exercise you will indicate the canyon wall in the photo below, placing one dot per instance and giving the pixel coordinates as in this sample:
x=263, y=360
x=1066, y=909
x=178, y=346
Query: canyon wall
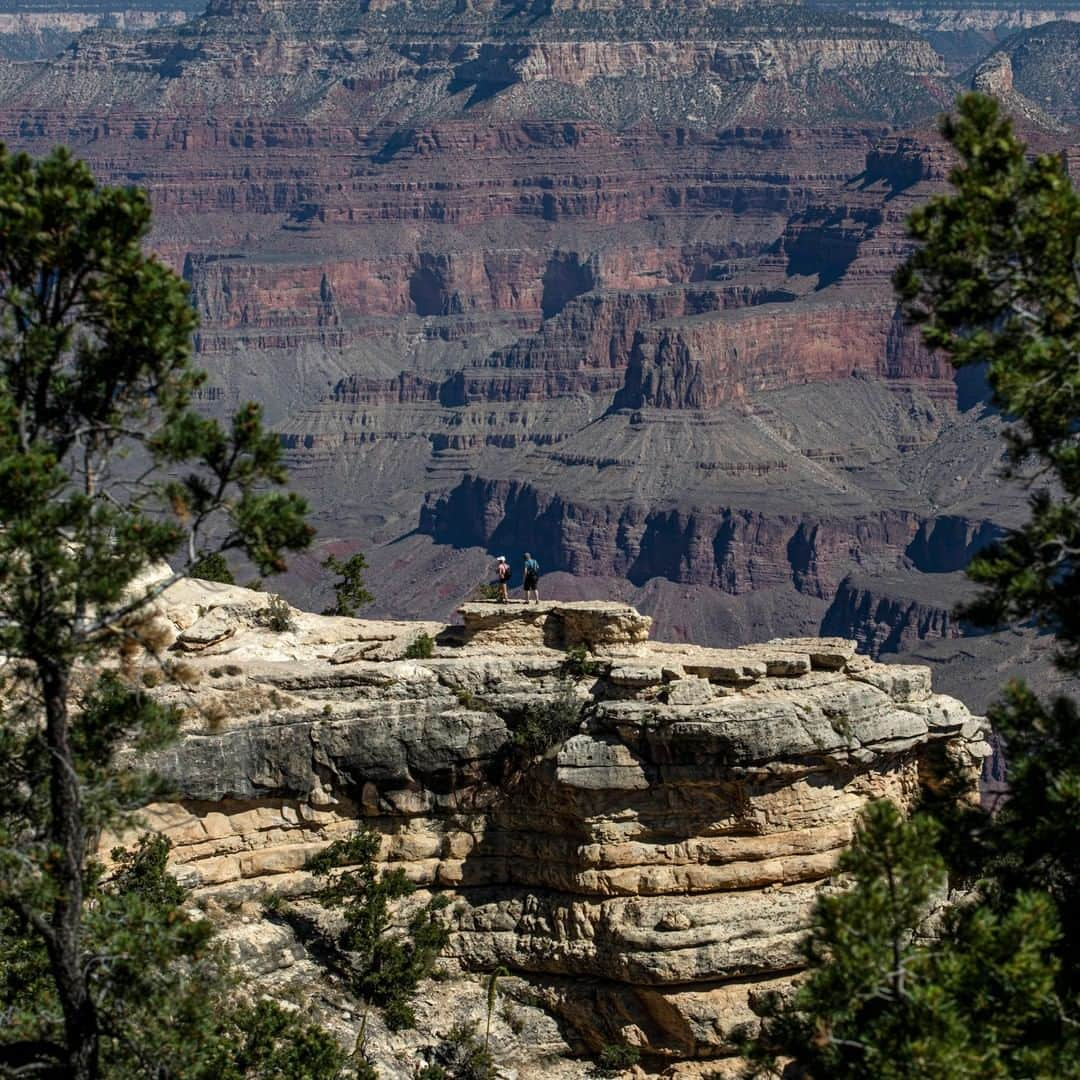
x=641, y=879
x=34, y=29
x=608, y=282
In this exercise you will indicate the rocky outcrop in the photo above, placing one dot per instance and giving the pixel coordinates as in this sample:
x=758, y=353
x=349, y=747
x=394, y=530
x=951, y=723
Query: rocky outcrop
x=1031, y=73
x=884, y=616
x=643, y=875
x=705, y=362
x=33, y=29
x=994, y=76
x=963, y=32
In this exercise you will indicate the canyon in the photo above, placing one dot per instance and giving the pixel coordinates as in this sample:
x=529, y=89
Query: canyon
x=33, y=29
x=963, y=33
x=609, y=285
x=641, y=879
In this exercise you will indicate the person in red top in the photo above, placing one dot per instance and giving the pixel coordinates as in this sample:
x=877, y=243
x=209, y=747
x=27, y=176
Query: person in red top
x=502, y=576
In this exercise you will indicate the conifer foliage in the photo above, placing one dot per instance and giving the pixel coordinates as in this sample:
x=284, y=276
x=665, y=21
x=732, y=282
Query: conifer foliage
x=106, y=470
x=383, y=967
x=350, y=592
x=989, y=987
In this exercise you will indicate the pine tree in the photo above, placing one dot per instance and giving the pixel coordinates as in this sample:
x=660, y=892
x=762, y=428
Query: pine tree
x=995, y=282
x=383, y=968
x=897, y=989
x=990, y=988
x=349, y=590
x=106, y=470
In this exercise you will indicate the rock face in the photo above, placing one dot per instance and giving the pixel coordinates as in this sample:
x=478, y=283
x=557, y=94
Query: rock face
x=963, y=32
x=610, y=283
x=885, y=617
x=1031, y=67
x=31, y=29
x=642, y=876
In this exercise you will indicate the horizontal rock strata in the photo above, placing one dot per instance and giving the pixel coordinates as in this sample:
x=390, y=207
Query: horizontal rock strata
x=654, y=331
x=646, y=872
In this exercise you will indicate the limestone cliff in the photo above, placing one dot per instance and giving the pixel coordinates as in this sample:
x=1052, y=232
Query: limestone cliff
x=613, y=278
x=35, y=29
x=640, y=880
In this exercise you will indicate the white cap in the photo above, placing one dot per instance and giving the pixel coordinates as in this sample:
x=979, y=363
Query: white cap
x=502, y=558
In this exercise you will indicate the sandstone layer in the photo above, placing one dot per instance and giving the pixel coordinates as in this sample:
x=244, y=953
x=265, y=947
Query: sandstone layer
x=33, y=29
x=963, y=32
x=640, y=879
x=610, y=284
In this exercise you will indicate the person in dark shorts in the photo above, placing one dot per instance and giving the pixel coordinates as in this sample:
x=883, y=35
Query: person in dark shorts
x=532, y=579
x=503, y=573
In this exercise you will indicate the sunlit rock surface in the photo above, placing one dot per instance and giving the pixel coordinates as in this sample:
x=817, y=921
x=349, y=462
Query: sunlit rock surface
x=639, y=879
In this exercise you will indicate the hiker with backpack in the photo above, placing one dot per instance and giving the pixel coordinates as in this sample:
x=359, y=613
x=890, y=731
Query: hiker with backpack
x=532, y=578
x=503, y=573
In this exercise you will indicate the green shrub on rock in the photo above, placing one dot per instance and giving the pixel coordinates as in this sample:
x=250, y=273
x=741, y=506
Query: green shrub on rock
x=212, y=567
x=616, y=1058
x=577, y=664
x=420, y=648
x=277, y=616
x=462, y=1056
x=383, y=968
x=541, y=726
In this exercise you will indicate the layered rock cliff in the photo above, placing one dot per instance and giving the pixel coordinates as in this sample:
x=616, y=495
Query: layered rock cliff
x=963, y=32
x=614, y=280
x=33, y=29
x=641, y=879
x=1032, y=71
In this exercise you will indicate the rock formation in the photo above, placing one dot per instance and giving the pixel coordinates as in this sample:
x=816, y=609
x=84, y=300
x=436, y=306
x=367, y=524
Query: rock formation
x=1032, y=69
x=34, y=29
x=609, y=283
x=962, y=32
x=640, y=879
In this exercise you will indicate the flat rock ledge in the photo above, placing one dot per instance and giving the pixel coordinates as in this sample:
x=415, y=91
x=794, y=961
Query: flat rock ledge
x=640, y=878
x=595, y=624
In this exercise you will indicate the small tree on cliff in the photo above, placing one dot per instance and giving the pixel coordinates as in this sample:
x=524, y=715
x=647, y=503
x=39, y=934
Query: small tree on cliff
x=212, y=567
x=383, y=968
x=350, y=592
x=105, y=470
x=170, y=1006
x=890, y=994
x=995, y=281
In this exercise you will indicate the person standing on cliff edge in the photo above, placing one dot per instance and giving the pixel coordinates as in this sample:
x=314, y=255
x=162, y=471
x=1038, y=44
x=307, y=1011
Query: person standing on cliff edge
x=503, y=574
x=532, y=579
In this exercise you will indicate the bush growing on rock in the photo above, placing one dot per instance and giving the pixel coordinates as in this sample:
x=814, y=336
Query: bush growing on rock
x=277, y=616
x=541, y=726
x=212, y=567
x=577, y=664
x=384, y=968
x=461, y=1056
x=486, y=591
x=616, y=1058
x=421, y=648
